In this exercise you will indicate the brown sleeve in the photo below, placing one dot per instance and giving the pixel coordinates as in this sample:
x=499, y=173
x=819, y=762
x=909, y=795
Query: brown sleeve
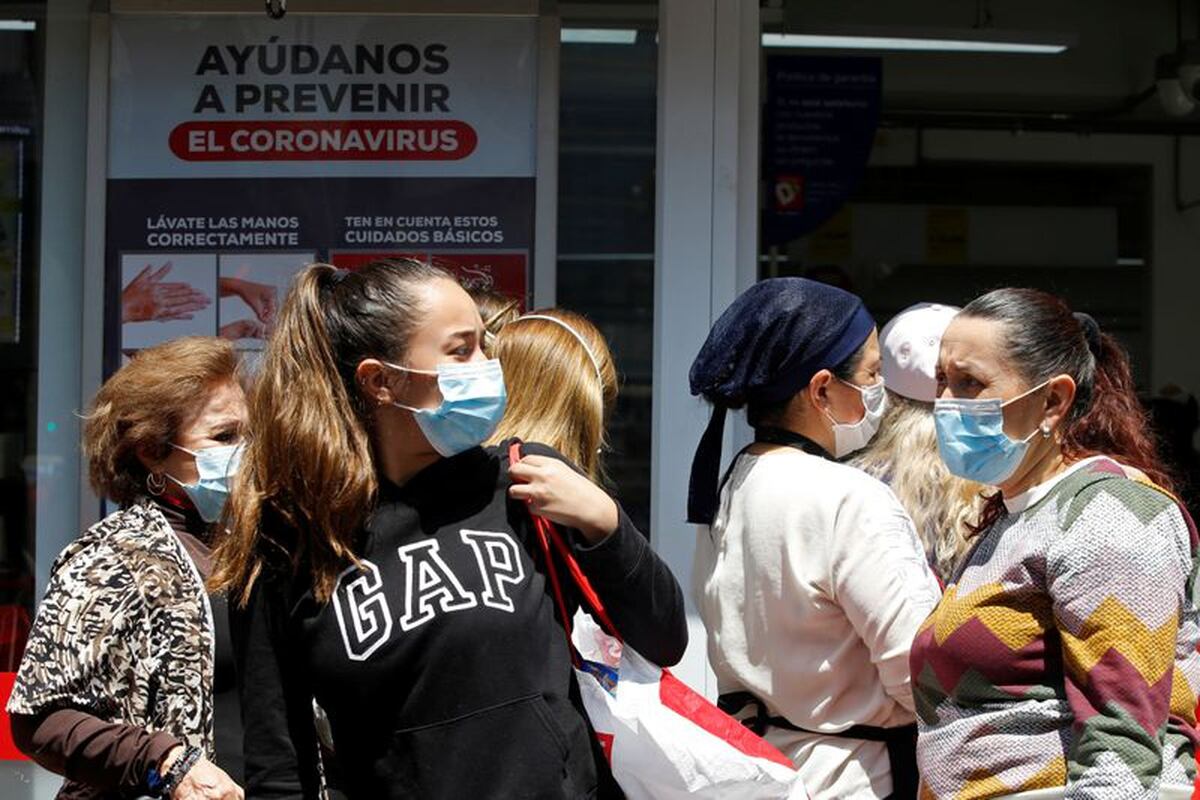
x=111, y=756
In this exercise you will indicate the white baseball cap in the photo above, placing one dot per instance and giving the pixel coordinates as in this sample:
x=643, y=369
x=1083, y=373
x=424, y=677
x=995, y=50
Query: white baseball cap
x=910, y=344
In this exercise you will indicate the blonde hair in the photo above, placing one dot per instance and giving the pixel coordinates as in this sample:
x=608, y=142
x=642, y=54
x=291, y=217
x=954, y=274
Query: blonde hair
x=141, y=408
x=308, y=479
x=557, y=395
x=496, y=310
x=904, y=455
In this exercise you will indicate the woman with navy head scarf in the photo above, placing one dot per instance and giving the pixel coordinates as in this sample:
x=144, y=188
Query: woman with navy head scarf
x=808, y=573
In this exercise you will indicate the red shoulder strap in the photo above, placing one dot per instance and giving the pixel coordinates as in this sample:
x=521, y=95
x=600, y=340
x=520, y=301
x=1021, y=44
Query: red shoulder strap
x=547, y=535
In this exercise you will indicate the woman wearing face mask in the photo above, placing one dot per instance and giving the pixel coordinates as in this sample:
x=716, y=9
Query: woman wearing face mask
x=127, y=658
x=1063, y=661
x=387, y=565
x=808, y=573
x=905, y=453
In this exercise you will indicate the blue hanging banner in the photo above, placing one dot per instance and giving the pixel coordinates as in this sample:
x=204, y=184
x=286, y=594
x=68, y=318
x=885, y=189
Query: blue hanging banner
x=820, y=122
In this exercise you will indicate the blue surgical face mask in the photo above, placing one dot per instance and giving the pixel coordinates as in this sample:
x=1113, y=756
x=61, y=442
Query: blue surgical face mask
x=216, y=467
x=972, y=441
x=473, y=402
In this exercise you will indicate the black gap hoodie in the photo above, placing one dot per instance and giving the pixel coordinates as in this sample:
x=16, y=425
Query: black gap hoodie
x=443, y=666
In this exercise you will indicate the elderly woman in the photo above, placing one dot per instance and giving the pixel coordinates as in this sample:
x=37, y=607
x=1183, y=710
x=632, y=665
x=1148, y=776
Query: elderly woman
x=116, y=689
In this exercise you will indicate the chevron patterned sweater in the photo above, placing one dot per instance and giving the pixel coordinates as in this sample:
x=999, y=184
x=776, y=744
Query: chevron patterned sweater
x=1064, y=655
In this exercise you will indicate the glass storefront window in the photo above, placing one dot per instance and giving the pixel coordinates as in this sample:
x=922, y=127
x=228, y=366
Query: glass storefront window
x=22, y=32
x=607, y=132
x=943, y=233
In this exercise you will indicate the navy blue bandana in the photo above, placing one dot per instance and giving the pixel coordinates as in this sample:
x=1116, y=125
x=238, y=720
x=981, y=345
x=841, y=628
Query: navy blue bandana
x=765, y=348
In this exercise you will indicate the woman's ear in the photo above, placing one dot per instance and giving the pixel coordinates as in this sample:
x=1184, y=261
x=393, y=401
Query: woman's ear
x=817, y=390
x=148, y=460
x=1060, y=397
x=374, y=381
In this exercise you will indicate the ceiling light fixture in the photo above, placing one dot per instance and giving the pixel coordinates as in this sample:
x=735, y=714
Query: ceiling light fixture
x=17, y=25
x=970, y=40
x=598, y=36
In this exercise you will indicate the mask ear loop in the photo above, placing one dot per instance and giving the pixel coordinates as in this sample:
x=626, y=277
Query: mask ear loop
x=163, y=477
x=1027, y=392
x=862, y=391
x=406, y=369
x=409, y=369
x=1042, y=428
x=862, y=394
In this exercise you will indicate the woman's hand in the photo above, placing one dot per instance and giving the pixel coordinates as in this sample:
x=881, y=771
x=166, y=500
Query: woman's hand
x=204, y=781
x=560, y=494
x=243, y=329
x=259, y=296
x=147, y=297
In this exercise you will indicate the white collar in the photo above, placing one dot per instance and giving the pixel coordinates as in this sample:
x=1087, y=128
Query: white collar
x=1033, y=495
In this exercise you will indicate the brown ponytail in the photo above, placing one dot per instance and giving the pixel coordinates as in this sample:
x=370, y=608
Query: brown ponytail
x=308, y=478
x=1044, y=339
x=1115, y=423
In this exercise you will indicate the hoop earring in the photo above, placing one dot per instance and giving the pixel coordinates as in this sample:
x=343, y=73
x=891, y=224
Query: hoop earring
x=155, y=483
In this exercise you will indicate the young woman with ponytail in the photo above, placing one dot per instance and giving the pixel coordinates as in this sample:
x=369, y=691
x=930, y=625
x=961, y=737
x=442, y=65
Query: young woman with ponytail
x=1062, y=660
x=384, y=565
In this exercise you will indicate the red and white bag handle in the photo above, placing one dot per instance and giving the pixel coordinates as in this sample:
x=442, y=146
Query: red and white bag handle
x=547, y=535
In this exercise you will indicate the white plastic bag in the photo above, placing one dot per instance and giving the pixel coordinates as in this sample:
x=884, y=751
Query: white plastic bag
x=665, y=741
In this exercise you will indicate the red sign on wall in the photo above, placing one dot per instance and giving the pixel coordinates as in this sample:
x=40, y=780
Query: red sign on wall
x=8, y=750
x=324, y=140
x=505, y=273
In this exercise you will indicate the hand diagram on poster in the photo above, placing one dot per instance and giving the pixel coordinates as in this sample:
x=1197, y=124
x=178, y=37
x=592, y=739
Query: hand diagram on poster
x=243, y=329
x=476, y=278
x=259, y=296
x=148, y=298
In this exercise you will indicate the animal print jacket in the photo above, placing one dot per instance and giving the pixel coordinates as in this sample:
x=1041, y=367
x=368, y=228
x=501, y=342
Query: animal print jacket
x=124, y=632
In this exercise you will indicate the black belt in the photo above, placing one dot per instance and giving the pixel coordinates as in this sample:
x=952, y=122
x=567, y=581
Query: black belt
x=901, y=742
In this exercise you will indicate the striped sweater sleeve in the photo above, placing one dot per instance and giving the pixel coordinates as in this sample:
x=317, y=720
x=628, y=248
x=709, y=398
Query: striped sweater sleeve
x=1117, y=579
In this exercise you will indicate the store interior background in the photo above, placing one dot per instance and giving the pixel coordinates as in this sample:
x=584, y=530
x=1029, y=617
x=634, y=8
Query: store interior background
x=1070, y=175
x=1067, y=181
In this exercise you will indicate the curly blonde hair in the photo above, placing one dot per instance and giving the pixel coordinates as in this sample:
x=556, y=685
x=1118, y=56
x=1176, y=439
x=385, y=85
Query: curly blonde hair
x=904, y=455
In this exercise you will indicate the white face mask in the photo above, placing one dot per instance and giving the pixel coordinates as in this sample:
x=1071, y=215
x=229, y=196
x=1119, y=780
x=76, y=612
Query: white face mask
x=850, y=437
x=215, y=468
